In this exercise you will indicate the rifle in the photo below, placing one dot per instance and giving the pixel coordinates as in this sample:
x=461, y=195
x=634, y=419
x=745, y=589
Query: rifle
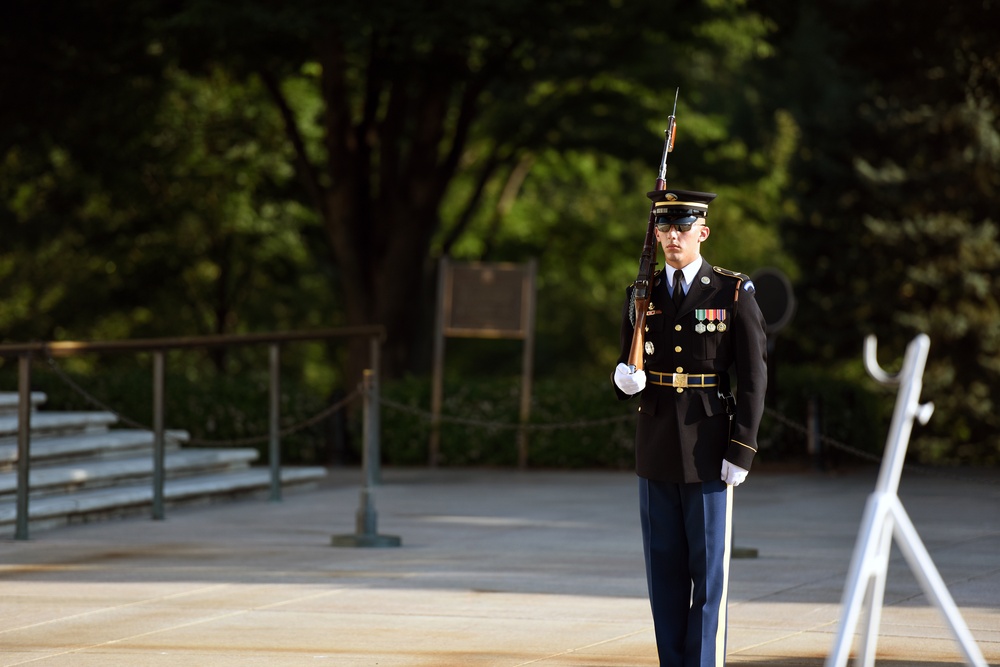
x=647, y=260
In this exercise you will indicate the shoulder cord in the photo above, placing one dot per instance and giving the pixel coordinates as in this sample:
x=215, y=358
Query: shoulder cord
x=736, y=296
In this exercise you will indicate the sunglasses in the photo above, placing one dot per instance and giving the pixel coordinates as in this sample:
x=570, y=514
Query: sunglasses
x=663, y=225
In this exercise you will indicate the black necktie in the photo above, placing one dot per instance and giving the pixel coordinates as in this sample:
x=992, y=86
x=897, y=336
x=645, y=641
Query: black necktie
x=678, y=288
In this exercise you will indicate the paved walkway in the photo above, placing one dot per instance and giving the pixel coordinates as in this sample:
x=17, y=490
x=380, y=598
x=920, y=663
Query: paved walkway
x=496, y=568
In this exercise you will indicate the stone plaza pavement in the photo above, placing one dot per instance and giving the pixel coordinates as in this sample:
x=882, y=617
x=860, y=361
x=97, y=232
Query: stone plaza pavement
x=496, y=567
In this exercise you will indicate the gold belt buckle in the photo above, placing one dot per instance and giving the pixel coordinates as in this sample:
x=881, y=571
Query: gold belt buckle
x=680, y=380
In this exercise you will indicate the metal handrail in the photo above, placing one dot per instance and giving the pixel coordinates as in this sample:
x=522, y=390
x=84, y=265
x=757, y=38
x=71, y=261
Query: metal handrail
x=72, y=348
x=159, y=346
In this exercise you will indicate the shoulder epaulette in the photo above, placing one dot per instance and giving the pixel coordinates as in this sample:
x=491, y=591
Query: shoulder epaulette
x=730, y=274
x=744, y=279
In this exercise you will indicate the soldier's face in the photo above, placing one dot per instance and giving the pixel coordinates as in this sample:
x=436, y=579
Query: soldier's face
x=681, y=248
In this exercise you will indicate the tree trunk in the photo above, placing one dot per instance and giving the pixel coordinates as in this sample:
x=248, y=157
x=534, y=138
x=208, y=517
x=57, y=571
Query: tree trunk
x=388, y=178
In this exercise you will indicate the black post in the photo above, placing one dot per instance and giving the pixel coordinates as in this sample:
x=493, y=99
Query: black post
x=23, y=443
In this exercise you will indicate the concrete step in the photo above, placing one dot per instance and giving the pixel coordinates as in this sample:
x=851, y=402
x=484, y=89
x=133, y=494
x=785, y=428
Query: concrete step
x=100, y=504
x=109, y=444
x=94, y=474
x=56, y=423
x=9, y=401
x=83, y=470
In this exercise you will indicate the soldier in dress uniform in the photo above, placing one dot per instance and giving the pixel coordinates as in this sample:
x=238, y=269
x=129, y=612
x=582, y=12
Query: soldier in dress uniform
x=701, y=397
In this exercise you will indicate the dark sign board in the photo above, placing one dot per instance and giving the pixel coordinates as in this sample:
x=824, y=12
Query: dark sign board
x=486, y=300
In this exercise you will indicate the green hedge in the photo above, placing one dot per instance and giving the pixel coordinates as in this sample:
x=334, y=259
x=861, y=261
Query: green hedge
x=574, y=423
x=564, y=431
x=851, y=412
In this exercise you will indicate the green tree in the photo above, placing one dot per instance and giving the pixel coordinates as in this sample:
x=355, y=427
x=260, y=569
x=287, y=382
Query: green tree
x=307, y=163
x=899, y=170
x=78, y=84
x=427, y=113
x=139, y=200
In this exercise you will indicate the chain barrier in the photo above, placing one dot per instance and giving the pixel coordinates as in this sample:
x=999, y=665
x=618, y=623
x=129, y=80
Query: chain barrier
x=311, y=421
x=874, y=458
x=485, y=424
x=234, y=442
x=785, y=421
x=496, y=426
x=800, y=428
x=87, y=396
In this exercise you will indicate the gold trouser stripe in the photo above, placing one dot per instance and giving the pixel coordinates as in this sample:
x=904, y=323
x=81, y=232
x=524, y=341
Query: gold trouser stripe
x=720, y=635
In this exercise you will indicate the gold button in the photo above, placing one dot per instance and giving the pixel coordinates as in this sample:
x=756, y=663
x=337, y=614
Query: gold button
x=647, y=329
x=677, y=327
x=677, y=349
x=680, y=369
x=680, y=390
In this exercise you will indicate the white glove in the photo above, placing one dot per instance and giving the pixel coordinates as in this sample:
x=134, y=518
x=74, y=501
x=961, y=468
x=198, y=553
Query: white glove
x=732, y=474
x=629, y=381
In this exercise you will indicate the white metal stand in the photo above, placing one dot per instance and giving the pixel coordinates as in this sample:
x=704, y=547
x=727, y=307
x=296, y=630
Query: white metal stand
x=885, y=518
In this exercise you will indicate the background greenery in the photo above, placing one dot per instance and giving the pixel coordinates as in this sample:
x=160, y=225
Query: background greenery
x=185, y=168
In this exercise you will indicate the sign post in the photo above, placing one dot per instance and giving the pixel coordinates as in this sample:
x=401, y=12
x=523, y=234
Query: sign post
x=484, y=300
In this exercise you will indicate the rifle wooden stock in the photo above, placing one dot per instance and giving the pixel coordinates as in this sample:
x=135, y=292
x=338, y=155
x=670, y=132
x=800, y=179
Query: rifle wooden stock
x=643, y=284
x=638, y=336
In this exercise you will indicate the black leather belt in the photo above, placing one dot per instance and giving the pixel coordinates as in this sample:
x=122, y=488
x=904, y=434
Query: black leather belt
x=682, y=380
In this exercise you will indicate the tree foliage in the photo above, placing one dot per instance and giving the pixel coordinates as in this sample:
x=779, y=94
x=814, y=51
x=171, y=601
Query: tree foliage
x=429, y=116
x=898, y=188
x=205, y=166
x=140, y=200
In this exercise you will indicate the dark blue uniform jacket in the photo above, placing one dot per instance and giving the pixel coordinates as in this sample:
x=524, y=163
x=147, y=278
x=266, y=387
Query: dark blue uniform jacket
x=684, y=433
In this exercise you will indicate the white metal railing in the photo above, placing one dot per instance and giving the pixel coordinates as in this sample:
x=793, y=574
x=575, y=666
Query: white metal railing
x=885, y=518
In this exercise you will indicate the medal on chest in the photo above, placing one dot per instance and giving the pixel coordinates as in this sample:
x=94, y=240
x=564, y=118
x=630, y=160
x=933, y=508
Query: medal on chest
x=710, y=320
